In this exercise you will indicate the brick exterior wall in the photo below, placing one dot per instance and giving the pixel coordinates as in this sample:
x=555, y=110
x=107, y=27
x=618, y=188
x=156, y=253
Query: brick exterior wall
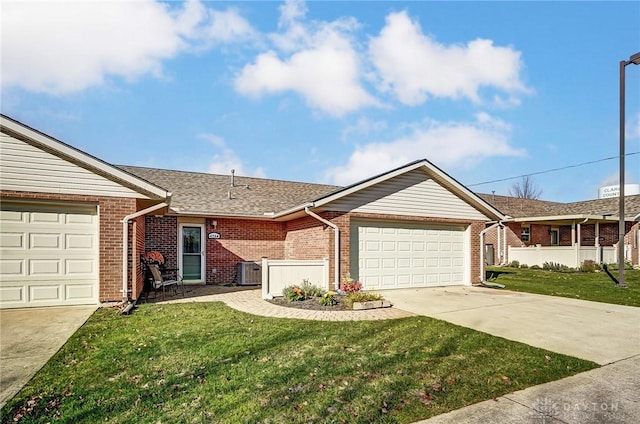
x=241, y=240
x=138, y=237
x=608, y=234
x=162, y=235
x=111, y=212
x=303, y=238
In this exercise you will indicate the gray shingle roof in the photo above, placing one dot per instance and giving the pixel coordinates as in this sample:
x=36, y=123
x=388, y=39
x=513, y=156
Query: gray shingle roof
x=518, y=208
x=197, y=192
x=521, y=208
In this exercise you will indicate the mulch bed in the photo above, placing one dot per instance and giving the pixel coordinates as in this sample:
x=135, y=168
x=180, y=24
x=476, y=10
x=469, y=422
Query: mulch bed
x=311, y=304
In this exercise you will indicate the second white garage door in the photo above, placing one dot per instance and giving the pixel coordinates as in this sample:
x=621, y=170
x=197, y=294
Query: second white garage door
x=399, y=255
x=48, y=255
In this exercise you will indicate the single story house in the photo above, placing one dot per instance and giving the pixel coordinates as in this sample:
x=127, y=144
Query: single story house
x=73, y=227
x=536, y=231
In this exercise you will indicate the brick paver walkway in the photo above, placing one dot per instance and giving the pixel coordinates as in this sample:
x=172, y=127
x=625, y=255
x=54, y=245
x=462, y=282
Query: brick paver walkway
x=250, y=301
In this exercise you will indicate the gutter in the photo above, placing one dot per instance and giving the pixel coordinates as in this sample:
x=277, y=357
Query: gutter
x=125, y=245
x=336, y=240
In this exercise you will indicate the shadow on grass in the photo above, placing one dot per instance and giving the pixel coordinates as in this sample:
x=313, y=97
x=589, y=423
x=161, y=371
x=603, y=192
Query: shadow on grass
x=493, y=274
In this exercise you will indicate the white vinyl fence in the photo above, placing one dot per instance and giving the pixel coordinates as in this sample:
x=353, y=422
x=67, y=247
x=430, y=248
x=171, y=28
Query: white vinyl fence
x=571, y=256
x=278, y=274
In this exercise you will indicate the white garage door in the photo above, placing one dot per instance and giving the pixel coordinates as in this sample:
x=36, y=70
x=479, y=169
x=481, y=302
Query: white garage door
x=399, y=255
x=48, y=255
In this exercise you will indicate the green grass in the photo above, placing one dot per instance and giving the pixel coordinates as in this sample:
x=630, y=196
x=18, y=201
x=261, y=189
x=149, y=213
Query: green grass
x=207, y=363
x=596, y=286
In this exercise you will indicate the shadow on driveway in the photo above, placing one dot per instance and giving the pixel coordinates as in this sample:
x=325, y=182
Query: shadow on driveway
x=599, y=332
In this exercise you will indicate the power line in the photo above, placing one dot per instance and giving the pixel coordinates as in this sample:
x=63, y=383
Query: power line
x=551, y=170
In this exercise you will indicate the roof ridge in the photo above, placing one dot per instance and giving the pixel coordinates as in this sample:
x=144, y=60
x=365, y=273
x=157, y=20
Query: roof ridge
x=225, y=175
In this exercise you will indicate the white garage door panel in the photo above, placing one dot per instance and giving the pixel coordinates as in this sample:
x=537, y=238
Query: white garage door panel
x=396, y=255
x=49, y=255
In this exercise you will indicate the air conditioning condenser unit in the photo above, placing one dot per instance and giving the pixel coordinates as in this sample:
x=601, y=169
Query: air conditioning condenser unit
x=248, y=273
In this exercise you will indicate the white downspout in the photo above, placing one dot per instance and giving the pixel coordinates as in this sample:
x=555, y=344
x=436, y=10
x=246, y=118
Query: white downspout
x=499, y=246
x=125, y=245
x=336, y=245
x=505, y=248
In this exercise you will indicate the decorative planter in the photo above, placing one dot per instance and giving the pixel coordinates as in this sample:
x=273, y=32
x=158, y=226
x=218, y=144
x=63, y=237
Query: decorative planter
x=372, y=304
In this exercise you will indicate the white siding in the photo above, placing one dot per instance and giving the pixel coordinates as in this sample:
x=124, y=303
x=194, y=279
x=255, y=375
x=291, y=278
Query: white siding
x=28, y=168
x=410, y=194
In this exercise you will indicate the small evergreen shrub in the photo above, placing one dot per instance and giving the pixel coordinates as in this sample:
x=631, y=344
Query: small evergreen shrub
x=524, y=266
x=514, y=264
x=535, y=267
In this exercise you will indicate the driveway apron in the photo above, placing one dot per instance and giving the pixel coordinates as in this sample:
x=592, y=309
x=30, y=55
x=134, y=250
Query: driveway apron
x=29, y=338
x=600, y=332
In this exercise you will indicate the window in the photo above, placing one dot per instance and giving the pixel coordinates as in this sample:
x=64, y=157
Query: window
x=555, y=236
x=525, y=234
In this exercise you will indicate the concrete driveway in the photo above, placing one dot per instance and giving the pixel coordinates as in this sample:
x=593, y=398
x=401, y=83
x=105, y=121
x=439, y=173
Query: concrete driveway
x=29, y=337
x=606, y=334
x=600, y=332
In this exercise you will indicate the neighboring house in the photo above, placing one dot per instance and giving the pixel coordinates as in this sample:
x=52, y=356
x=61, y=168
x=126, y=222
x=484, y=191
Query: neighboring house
x=73, y=227
x=536, y=231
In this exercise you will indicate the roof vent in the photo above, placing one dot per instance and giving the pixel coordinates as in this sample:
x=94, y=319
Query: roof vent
x=233, y=178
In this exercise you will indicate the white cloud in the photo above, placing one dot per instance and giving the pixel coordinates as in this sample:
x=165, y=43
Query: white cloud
x=414, y=66
x=226, y=159
x=64, y=47
x=632, y=129
x=446, y=144
x=320, y=63
x=364, y=126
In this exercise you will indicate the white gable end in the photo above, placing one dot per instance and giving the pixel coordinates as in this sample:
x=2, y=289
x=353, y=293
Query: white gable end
x=413, y=194
x=28, y=168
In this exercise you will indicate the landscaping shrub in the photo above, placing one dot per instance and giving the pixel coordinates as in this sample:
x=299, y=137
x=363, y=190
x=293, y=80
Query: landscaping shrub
x=524, y=266
x=309, y=290
x=293, y=293
x=589, y=266
x=514, y=264
x=556, y=267
x=349, y=285
x=328, y=299
x=535, y=267
x=361, y=297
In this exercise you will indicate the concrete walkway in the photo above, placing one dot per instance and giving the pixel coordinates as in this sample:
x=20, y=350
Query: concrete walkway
x=29, y=338
x=250, y=301
x=604, y=395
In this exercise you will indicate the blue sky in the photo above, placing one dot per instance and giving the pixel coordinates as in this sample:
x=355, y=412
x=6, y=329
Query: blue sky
x=333, y=92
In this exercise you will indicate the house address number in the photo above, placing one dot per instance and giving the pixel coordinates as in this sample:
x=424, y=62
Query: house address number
x=214, y=235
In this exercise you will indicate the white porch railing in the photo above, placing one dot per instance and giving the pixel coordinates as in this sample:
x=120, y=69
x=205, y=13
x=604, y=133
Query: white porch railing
x=571, y=256
x=278, y=274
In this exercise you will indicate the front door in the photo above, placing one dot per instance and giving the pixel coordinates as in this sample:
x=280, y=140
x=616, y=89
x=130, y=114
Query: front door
x=192, y=252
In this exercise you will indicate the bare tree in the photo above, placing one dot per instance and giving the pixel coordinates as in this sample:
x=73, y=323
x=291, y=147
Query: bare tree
x=525, y=188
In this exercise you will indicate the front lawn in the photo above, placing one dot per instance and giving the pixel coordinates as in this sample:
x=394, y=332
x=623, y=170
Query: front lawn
x=596, y=286
x=207, y=363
